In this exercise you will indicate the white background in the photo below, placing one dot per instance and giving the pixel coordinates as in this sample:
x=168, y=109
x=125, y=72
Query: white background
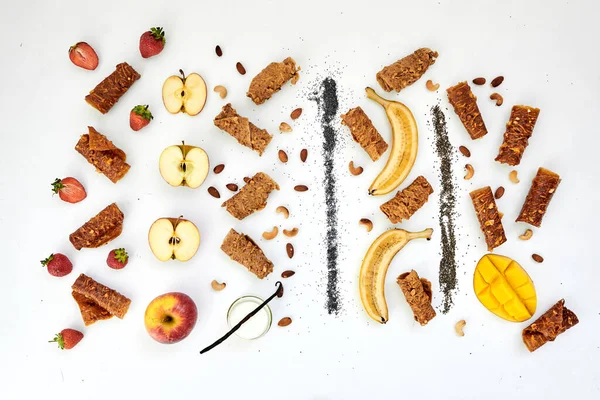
x=547, y=51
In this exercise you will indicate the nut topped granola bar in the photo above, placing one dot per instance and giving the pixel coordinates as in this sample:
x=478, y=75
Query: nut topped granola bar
x=252, y=197
x=271, y=79
x=364, y=133
x=100, y=229
x=406, y=71
x=103, y=154
x=519, y=129
x=96, y=301
x=488, y=216
x=244, y=131
x=536, y=203
x=465, y=106
x=242, y=249
x=106, y=94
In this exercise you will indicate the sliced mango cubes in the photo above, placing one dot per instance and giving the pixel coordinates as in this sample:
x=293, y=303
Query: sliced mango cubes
x=504, y=288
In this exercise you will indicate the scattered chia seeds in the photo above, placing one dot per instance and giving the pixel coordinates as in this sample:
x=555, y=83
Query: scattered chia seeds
x=447, y=203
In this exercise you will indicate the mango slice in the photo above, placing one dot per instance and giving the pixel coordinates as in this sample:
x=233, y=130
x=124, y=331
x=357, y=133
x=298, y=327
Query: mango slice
x=504, y=288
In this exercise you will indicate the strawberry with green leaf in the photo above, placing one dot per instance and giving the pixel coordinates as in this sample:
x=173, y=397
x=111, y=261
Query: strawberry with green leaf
x=139, y=117
x=69, y=189
x=117, y=258
x=67, y=338
x=152, y=42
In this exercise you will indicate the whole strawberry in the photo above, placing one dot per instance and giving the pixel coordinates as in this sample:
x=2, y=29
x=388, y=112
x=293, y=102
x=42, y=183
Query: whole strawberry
x=152, y=42
x=117, y=258
x=67, y=339
x=69, y=190
x=58, y=265
x=139, y=117
x=83, y=55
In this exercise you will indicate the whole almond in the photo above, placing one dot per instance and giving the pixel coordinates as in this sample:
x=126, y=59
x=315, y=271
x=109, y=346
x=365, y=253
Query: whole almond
x=464, y=151
x=497, y=81
x=289, y=248
x=284, y=321
x=246, y=179
x=296, y=113
x=240, y=68
x=303, y=155
x=479, y=81
x=219, y=168
x=537, y=258
x=283, y=157
x=214, y=192
x=499, y=192
x=232, y=186
x=287, y=274
x=300, y=188
x=218, y=51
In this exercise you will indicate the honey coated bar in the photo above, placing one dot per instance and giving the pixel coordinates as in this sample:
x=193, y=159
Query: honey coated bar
x=103, y=154
x=408, y=201
x=100, y=229
x=519, y=129
x=364, y=133
x=489, y=219
x=242, y=249
x=106, y=94
x=244, y=131
x=96, y=301
x=406, y=71
x=252, y=197
x=270, y=80
x=540, y=193
x=418, y=295
x=465, y=106
x=546, y=328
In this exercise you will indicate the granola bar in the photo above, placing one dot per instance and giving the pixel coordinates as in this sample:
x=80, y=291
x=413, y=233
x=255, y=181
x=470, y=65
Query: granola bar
x=540, y=193
x=406, y=71
x=244, y=131
x=252, y=197
x=97, y=301
x=100, y=229
x=270, y=80
x=408, y=201
x=242, y=249
x=103, y=154
x=364, y=133
x=106, y=94
x=418, y=295
x=519, y=129
x=465, y=106
x=489, y=219
x=546, y=328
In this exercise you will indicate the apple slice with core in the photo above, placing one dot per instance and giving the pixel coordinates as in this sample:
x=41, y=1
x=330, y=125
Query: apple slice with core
x=184, y=94
x=184, y=165
x=173, y=239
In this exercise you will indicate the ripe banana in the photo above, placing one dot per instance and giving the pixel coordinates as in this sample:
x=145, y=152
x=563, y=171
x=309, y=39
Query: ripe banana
x=374, y=268
x=405, y=143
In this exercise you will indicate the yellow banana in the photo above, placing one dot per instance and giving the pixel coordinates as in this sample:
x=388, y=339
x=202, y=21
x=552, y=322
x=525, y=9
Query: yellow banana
x=374, y=268
x=405, y=143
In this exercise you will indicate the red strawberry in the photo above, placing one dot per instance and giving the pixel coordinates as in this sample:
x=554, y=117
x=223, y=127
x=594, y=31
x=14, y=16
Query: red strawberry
x=69, y=190
x=67, y=338
x=139, y=117
x=83, y=55
x=117, y=258
x=152, y=42
x=58, y=265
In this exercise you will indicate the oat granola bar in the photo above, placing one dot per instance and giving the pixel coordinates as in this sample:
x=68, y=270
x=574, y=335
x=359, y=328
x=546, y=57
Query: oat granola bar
x=406, y=71
x=546, y=328
x=489, y=219
x=244, y=131
x=106, y=94
x=242, y=249
x=417, y=292
x=408, y=201
x=540, y=193
x=270, y=80
x=100, y=229
x=364, y=133
x=465, y=106
x=103, y=154
x=519, y=129
x=252, y=197
x=97, y=301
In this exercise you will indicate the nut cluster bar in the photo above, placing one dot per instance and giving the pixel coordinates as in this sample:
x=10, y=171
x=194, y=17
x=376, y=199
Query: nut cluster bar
x=106, y=94
x=546, y=328
x=540, y=193
x=408, y=201
x=364, y=133
x=252, y=197
x=108, y=299
x=488, y=216
x=407, y=70
x=418, y=295
x=244, y=131
x=103, y=154
x=465, y=106
x=242, y=249
x=519, y=129
x=270, y=80
x=100, y=229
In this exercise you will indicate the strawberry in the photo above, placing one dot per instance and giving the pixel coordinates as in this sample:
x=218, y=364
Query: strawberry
x=83, y=55
x=69, y=190
x=152, y=42
x=67, y=338
x=139, y=117
x=58, y=265
x=117, y=258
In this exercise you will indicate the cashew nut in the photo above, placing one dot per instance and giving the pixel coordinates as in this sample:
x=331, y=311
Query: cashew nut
x=459, y=327
x=513, y=176
x=527, y=235
x=355, y=170
x=431, y=86
x=217, y=286
x=285, y=127
x=470, y=171
x=366, y=223
x=498, y=98
x=284, y=211
x=221, y=90
x=290, y=233
x=270, y=235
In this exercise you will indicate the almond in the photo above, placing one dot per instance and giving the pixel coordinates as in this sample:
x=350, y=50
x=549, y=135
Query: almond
x=240, y=68
x=537, y=258
x=464, y=151
x=497, y=81
x=499, y=192
x=300, y=188
x=303, y=155
x=284, y=321
x=247, y=179
x=283, y=157
x=479, y=81
x=232, y=186
x=287, y=274
x=218, y=51
x=219, y=168
x=214, y=192
x=296, y=113
x=289, y=248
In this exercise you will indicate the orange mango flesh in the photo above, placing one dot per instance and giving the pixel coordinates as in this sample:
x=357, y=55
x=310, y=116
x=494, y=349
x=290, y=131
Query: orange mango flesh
x=504, y=288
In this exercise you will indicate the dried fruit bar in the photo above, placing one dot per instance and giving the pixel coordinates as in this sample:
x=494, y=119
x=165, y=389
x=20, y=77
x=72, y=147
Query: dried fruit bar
x=270, y=80
x=408, y=201
x=97, y=301
x=406, y=71
x=547, y=327
x=100, y=229
x=106, y=94
x=465, y=106
x=519, y=129
x=489, y=219
x=540, y=193
x=252, y=197
x=364, y=133
x=418, y=295
x=242, y=249
x=244, y=131
x=103, y=154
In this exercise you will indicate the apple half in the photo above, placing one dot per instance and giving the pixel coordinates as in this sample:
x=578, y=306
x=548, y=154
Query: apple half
x=173, y=239
x=184, y=94
x=184, y=165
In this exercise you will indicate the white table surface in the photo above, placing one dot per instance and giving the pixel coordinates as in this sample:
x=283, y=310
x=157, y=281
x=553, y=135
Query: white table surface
x=547, y=51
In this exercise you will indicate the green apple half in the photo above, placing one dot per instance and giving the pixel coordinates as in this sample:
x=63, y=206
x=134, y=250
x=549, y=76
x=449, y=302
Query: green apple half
x=184, y=94
x=184, y=165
